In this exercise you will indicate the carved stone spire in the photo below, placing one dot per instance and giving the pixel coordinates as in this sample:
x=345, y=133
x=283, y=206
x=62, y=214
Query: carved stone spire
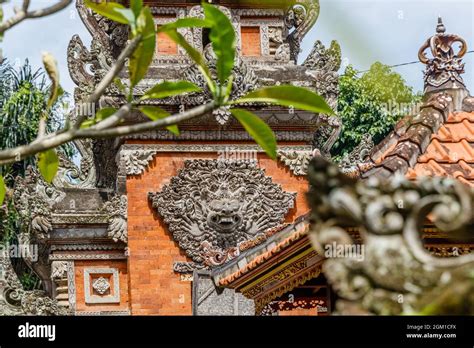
x=444, y=70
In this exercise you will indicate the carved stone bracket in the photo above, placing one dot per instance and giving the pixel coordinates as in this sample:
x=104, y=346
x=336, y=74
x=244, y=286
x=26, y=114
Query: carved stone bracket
x=297, y=161
x=116, y=210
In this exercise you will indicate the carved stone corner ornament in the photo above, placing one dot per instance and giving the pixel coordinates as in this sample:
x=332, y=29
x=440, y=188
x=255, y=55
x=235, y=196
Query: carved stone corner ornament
x=116, y=210
x=136, y=161
x=444, y=70
x=297, y=161
x=212, y=205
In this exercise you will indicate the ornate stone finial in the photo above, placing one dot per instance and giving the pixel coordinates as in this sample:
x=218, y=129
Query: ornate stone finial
x=444, y=70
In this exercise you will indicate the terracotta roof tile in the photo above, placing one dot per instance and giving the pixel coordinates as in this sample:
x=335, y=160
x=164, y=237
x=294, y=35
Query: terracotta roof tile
x=260, y=259
x=446, y=146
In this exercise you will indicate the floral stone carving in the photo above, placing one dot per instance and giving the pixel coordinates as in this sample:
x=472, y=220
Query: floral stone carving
x=216, y=204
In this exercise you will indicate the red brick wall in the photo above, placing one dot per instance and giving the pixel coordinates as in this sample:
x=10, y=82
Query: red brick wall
x=250, y=41
x=154, y=288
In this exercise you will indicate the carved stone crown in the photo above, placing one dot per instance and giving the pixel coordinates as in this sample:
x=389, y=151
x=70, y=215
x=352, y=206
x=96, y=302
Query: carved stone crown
x=217, y=204
x=444, y=70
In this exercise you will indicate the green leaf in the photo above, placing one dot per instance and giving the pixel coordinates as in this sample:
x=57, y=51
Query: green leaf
x=109, y=10
x=223, y=40
x=195, y=55
x=143, y=55
x=51, y=67
x=48, y=164
x=185, y=23
x=258, y=130
x=103, y=113
x=291, y=96
x=118, y=82
x=3, y=190
x=169, y=89
x=155, y=113
x=136, y=6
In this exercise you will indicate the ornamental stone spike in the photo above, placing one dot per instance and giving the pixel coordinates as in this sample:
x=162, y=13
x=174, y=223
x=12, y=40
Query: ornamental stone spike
x=444, y=70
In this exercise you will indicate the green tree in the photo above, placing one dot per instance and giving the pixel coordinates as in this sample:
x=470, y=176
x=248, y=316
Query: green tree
x=23, y=98
x=371, y=104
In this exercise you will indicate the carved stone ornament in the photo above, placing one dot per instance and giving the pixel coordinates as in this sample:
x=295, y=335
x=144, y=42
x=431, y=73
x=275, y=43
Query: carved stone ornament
x=300, y=18
x=212, y=205
x=34, y=201
x=136, y=161
x=116, y=210
x=393, y=263
x=14, y=300
x=445, y=68
x=297, y=161
x=101, y=285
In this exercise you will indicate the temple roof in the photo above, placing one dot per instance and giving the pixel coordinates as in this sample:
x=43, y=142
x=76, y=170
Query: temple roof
x=435, y=142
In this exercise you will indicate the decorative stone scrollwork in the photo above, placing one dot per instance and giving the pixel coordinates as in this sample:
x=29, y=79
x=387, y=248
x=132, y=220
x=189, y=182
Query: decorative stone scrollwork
x=445, y=68
x=394, y=264
x=221, y=202
x=14, y=300
x=297, y=161
x=300, y=17
x=116, y=210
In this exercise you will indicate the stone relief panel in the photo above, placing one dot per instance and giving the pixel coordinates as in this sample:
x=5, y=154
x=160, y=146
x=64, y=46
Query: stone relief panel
x=211, y=206
x=101, y=285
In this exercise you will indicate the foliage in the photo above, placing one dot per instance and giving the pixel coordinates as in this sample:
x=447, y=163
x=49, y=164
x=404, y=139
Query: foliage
x=370, y=104
x=24, y=96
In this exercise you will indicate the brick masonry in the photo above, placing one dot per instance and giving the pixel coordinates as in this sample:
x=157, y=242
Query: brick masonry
x=154, y=288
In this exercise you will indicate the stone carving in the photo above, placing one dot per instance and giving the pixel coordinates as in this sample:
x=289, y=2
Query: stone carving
x=136, y=161
x=297, y=161
x=70, y=175
x=34, y=201
x=14, y=300
x=300, y=17
x=390, y=216
x=101, y=285
x=321, y=58
x=359, y=156
x=116, y=210
x=244, y=81
x=445, y=68
x=222, y=202
x=59, y=269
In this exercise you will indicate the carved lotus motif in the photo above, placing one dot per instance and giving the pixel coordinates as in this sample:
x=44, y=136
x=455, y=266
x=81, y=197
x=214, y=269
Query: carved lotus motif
x=220, y=203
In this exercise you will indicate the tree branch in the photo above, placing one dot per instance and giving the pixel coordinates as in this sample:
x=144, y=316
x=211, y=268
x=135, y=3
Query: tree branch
x=98, y=131
x=23, y=14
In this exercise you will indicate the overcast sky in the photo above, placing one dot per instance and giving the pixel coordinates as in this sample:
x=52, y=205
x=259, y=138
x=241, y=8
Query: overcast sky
x=390, y=31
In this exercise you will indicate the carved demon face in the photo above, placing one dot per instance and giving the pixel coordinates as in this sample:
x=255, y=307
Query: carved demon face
x=221, y=203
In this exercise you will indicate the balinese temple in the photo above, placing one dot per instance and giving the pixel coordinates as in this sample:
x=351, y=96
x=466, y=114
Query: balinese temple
x=204, y=223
